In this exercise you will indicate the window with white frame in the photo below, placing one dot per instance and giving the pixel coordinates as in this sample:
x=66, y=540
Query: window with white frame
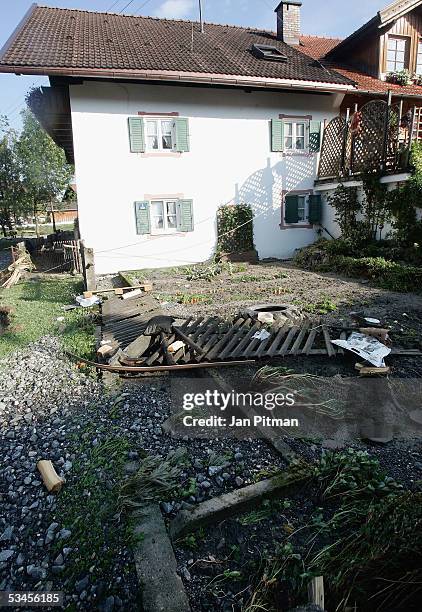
x=419, y=59
x=397, y=55
x=164, y=216
x=303, y=208
x=296, y=135
x=160, y=135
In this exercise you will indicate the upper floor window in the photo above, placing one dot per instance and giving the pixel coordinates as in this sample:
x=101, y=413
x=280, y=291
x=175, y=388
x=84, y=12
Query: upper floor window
x=397, y=53
x=159, y=135
x=296, y=135
x=419, y=59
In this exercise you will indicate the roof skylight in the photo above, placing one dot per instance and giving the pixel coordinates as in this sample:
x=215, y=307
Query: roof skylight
x=269, y=52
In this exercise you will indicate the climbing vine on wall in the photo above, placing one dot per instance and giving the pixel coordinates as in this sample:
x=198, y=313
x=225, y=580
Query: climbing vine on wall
x=235, y=228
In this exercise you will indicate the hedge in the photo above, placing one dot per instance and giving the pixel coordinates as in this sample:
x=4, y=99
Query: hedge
x=386, y=274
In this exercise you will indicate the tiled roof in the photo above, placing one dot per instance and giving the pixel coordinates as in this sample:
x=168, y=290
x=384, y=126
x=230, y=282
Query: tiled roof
x=64, y=41
x=368, y=83
x=317, y=47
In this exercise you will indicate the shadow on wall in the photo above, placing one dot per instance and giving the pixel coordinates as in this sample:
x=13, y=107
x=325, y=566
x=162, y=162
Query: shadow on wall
x=263, y=191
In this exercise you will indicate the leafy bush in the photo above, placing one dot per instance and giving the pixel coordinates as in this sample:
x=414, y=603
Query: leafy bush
x=325, y=256
x=235, y=228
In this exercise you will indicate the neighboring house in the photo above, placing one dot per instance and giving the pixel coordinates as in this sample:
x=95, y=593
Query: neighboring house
x=166, y=121
x=65, y=212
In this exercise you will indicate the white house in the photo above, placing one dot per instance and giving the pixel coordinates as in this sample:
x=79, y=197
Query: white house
x=168, y=120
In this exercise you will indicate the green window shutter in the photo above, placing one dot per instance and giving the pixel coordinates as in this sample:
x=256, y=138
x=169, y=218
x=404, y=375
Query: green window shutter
x=185, y=215
x=181, y=130
x=315, y=209
x=315, y=136
x=291, y=209
x=277, y=135
x=142, y=217
x=136, y=135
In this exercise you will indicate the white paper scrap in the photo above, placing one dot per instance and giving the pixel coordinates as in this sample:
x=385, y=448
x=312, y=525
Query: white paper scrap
x=87, y=302
x=367, y=347
x=261, y=335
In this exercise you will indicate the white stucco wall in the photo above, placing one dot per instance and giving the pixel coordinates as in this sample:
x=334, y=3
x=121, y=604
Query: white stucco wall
x=230, y=161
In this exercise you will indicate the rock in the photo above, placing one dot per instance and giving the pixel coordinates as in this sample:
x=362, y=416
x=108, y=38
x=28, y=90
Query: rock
x=166, y=507
x=37, y=573
x=59, y=560
x=214, y=469
x=58, y=569
x=205, y=485
x=5, y=555
x=238, y=456
x=81, y=585
x=64, y=534
x=108, y=605
x=20, y=560
x=239, y=481
x=7, y=534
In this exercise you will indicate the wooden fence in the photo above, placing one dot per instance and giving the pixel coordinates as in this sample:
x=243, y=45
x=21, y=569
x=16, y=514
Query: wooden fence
x=375, y=138
x=52, y=254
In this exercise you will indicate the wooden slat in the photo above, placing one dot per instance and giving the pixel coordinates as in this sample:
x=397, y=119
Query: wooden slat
x=243, y=330
x=330, y=348
x=262, y=347
x=238, y=350
x=310, y=341
x=280, y=334
x=288, y=340
x=298, y=342
x=214, y=351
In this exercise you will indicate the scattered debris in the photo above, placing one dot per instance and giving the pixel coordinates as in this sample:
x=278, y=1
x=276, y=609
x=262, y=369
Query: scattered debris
x=22, y=263
x=87, y=302
x=261, y=335
x=367, y=347
x=131, y=294
x=50, y=478
x=372, y=371
x=176, y=346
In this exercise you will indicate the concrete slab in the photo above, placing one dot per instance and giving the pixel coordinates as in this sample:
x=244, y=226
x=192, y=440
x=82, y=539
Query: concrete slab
x=236, y=502
x=156, y=566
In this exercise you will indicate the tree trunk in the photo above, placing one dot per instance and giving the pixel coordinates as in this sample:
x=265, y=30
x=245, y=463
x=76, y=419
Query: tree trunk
x=37, y=231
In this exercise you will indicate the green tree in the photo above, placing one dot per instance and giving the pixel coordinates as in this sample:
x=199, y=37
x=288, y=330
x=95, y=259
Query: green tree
x=45, y=172
x=13, y=199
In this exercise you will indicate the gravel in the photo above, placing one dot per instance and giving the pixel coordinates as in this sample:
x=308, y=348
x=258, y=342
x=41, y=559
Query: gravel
x=50, y=409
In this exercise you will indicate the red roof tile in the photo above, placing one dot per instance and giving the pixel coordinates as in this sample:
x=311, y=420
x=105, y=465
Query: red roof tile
x=317, y=47
x=63, y=41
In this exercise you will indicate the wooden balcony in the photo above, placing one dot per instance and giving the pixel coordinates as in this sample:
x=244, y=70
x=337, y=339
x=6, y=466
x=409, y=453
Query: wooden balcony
x=375, y=139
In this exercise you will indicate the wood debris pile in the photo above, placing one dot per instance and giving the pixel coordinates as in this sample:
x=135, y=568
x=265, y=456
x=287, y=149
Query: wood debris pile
x=22, y=263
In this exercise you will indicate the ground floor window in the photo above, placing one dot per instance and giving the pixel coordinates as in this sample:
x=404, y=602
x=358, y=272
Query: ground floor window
x=164, y=217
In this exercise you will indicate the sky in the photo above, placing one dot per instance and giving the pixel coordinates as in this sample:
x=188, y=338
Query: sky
x=319, y=17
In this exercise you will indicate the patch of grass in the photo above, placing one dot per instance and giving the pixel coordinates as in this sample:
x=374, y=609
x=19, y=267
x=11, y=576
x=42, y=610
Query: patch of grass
x=35, y=307
x=88, y=504
x=187, y=298
x=191, y=541
x=322, y=307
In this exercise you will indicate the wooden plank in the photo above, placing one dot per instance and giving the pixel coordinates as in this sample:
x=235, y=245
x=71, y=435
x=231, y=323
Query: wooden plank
x=316, y=592
x=280, y=334
x=243, y=343
x=263, y=346
x=288, y=340
x=330, y=348
x=233, y=329
x=310, y=341
x=298, y=342
x=242, y=331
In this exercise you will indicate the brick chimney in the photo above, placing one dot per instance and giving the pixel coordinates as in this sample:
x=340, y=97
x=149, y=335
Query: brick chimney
x=288, y=21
